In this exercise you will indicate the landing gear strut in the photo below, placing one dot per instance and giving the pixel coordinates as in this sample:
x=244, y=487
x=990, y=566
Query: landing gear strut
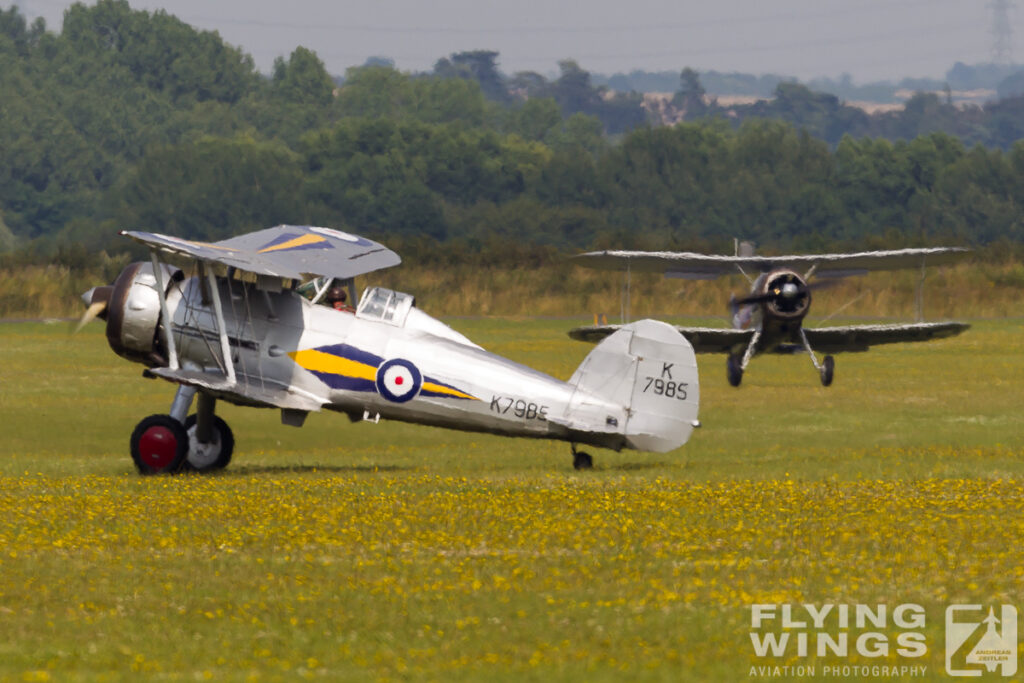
x=826, y=368
x=736, y=364
x=581, y=460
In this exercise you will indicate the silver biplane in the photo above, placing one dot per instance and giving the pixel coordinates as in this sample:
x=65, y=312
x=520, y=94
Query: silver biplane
x=770, y=318
x=238, y=328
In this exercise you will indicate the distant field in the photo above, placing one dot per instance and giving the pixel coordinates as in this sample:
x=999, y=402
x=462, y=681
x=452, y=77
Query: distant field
x=396, y=552
x=972, y=289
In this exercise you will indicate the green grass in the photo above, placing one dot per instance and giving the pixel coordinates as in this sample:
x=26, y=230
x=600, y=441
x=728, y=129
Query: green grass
x=397, y=552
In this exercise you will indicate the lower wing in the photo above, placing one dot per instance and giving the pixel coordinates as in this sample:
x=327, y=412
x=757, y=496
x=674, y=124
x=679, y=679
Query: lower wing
x=703, y=339
x=861, y=337
x=261, y=393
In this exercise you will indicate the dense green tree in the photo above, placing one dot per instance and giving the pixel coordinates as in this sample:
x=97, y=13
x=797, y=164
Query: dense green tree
x=535, y=118
x=302, y=79
x=213, y=188
x=377, y=91
x=160, y=51
x=690, y=96
x=478, y=65
x=131, y=118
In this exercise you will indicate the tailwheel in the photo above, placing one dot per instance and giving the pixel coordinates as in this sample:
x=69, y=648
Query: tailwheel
x=734, y=370
x=828, y=367
x=582, y=460
x=159, y=445
x=212, y=455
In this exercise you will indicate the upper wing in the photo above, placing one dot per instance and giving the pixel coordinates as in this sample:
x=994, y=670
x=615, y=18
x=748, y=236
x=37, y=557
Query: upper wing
x=707, y=266
x=860, y=337
x=703, y=339
x=294, y=252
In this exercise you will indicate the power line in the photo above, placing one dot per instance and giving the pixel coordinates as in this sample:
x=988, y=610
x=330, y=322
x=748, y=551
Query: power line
x=936, y=31
x=1002, y=32
x=562, y=29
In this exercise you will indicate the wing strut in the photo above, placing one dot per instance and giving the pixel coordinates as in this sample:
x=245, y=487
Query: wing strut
x=919, y=299
x=222, y=328
x=629, y=290
x=172, y=351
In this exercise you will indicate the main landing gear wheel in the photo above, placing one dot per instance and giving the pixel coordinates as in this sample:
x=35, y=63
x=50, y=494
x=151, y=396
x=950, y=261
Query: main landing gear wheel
x=733, y=370
x=581, y=460
x=215, y=455
x=159, y=445
x=828, y=368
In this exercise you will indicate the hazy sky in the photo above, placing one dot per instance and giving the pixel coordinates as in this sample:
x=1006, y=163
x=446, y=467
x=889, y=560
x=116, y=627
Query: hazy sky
x=869, y=39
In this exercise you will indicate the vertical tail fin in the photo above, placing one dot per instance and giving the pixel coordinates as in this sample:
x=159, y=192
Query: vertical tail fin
x=647, y=369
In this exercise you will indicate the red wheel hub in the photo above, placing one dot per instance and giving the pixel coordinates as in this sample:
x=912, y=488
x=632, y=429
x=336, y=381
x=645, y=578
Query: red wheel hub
x=157, y=447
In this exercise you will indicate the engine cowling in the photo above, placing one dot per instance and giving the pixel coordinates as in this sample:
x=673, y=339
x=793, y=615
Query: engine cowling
x=133, y=312
x=786, y=295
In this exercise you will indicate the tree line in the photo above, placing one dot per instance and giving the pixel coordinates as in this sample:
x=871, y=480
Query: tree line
x=131, y=119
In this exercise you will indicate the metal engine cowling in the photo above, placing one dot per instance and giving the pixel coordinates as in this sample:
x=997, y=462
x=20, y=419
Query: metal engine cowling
x=786, y=295
x=133, y=316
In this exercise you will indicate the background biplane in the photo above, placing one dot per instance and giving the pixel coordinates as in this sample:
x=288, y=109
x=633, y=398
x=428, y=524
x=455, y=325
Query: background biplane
x=770, y=318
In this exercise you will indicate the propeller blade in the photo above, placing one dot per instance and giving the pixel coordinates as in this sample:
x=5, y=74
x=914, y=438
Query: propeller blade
x=757, y=299
x=96, y=301
x=784, y=293
x=90, y=314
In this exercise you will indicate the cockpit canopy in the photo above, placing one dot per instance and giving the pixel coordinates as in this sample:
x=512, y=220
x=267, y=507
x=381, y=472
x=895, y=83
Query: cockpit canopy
x=386, y=305
x=399, y=309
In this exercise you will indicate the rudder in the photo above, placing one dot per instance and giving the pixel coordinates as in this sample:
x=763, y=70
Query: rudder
x=650, y=370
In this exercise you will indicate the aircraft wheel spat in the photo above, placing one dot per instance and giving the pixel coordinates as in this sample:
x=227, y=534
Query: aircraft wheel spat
x=159, y=445
x=398, y=380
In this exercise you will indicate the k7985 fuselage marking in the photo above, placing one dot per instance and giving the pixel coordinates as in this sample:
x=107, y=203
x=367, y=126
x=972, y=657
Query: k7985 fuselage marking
x=528, y=410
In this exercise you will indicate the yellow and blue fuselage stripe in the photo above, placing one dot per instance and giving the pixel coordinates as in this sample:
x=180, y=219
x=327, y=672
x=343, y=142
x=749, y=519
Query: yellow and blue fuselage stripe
x=345, y=367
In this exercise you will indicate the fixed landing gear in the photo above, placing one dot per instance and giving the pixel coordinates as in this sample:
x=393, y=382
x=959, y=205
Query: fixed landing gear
x=166, y=444
x=734, y=369
x=581, y=460
x=735, y=364
x=828, y=368
x=159, y=445
x=215, y=453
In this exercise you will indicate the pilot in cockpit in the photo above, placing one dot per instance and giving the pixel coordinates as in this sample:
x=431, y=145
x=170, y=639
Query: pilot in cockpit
x=338, y=299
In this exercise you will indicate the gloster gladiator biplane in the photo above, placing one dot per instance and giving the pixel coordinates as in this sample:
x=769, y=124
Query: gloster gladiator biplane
x=769, y=319
x=247, y=325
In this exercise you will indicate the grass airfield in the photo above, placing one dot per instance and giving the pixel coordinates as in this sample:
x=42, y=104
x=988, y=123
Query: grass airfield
x=391, y=551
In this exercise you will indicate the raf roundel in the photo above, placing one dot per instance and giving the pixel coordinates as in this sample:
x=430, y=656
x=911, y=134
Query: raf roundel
x=398, y=380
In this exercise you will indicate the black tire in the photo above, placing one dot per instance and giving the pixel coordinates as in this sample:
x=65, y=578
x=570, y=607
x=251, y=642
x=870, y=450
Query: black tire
x=217, y=454
x=159, y=445
x=733, y=370
x=582, y=461
x=828, y=369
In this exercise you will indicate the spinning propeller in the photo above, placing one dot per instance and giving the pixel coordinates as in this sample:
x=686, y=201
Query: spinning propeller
x=784, y=291
x=97, y=301
x=782, y=288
